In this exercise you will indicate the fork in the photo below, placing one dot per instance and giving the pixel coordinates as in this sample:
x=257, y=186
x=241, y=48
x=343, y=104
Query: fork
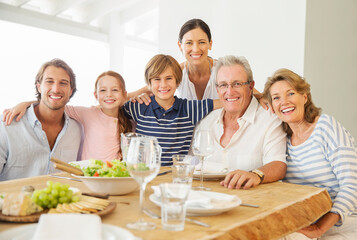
x=154, y=215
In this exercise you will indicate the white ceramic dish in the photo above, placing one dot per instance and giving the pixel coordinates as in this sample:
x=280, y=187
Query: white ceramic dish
x=27, y=232
x=107, y=185
x=209, y=176
x=199, y=211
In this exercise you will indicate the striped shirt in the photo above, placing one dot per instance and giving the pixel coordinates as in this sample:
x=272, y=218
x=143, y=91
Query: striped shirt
x=327, y=159
x=173, y=128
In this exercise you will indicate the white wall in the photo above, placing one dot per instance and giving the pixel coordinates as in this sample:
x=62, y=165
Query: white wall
x=270, y=34
x=331, y=58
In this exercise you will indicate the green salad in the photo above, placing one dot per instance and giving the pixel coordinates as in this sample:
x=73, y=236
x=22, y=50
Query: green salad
x=98, y=168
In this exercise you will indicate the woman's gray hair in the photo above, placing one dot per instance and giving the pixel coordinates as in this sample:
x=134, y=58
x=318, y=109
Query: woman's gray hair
x=231, y=60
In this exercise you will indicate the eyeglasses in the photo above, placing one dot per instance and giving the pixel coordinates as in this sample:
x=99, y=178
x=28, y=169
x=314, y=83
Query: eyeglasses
x=235, y=85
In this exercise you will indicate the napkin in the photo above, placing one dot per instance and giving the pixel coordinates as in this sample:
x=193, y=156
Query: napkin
x=202, y=199
x=211, y=167
x=69, y=227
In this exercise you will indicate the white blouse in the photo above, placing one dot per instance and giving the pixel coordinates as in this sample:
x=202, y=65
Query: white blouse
x=187, y=88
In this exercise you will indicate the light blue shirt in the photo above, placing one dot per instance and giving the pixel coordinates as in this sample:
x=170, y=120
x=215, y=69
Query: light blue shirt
x=24, y=148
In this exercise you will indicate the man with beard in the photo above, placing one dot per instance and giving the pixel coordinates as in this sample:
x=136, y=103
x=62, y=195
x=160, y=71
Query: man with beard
x=45, y=131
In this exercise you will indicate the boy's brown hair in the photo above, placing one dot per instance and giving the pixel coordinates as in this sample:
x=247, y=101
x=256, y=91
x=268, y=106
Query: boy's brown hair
x=158, y=64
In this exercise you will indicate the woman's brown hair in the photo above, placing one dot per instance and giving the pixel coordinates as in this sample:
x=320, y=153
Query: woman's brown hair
x=124, y=124
x=193, y=24
x=301, y=86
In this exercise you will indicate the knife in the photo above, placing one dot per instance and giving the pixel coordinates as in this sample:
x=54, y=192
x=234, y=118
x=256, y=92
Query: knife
x=249, y=205
x=154, y=215
x=163, y=173
x=197, y=222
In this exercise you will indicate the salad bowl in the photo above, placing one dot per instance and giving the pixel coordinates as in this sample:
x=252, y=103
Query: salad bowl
x=112, y=185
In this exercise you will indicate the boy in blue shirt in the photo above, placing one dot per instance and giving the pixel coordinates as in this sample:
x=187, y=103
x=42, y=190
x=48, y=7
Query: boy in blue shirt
x=168, y=118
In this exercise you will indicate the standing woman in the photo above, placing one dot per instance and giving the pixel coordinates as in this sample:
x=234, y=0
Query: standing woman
x=320, y=153
x=198, y=75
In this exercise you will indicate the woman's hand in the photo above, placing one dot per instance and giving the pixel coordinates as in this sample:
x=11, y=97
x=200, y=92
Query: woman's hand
x=317, y=229
x=312, y=231
x=142, y=98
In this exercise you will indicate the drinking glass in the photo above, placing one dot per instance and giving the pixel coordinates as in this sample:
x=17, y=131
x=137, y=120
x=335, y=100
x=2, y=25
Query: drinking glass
x=182, y=168
x=202, y=146
x=124, y=142
x=173, y=208
x=143, y=164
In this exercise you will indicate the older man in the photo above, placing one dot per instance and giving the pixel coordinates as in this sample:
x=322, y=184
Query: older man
x=249, y=140
x=45, y=131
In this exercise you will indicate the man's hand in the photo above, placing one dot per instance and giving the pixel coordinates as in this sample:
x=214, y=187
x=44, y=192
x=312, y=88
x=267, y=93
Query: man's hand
x=240, y=179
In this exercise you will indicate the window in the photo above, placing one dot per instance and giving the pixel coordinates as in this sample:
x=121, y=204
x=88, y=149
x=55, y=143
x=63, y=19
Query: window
x=24, y=49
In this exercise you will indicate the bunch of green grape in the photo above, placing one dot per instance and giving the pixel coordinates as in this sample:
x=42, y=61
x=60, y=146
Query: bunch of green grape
x=54, y=194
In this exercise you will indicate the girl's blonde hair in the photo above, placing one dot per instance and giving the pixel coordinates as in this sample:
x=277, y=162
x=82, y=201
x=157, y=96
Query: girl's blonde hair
x=158, y=64
x=124, y=124
x=299, y=85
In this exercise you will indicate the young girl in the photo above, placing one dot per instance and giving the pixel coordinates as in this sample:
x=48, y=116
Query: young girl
x=101, y=125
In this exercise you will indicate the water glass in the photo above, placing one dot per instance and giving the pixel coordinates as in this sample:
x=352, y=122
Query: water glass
x=125, y=141
x=173, y=207
x=183, y=168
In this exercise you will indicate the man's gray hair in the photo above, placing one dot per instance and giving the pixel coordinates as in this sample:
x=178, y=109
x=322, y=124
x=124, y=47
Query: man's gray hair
x=231, y=60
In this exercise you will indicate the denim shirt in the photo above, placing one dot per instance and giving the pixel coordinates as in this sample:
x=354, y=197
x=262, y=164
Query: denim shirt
x=24, y=148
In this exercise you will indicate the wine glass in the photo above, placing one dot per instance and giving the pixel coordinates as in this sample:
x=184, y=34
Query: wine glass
x=202, y=146
x=143, y=164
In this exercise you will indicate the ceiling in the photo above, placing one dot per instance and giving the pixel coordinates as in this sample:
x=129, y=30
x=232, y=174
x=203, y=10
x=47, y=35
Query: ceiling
x=87, y=18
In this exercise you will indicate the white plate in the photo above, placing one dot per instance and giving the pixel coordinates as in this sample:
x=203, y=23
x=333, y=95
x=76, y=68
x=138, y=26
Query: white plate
x=198, y=211
x=209, y=176
x=27, y=232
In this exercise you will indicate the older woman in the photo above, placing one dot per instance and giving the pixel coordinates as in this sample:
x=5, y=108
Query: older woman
x=320, y=153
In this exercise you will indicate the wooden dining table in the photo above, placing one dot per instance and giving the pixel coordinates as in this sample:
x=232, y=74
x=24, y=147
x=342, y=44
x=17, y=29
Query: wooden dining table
x=283, y=209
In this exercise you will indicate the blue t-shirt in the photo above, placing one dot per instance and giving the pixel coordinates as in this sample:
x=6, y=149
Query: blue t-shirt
x=173, y=128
